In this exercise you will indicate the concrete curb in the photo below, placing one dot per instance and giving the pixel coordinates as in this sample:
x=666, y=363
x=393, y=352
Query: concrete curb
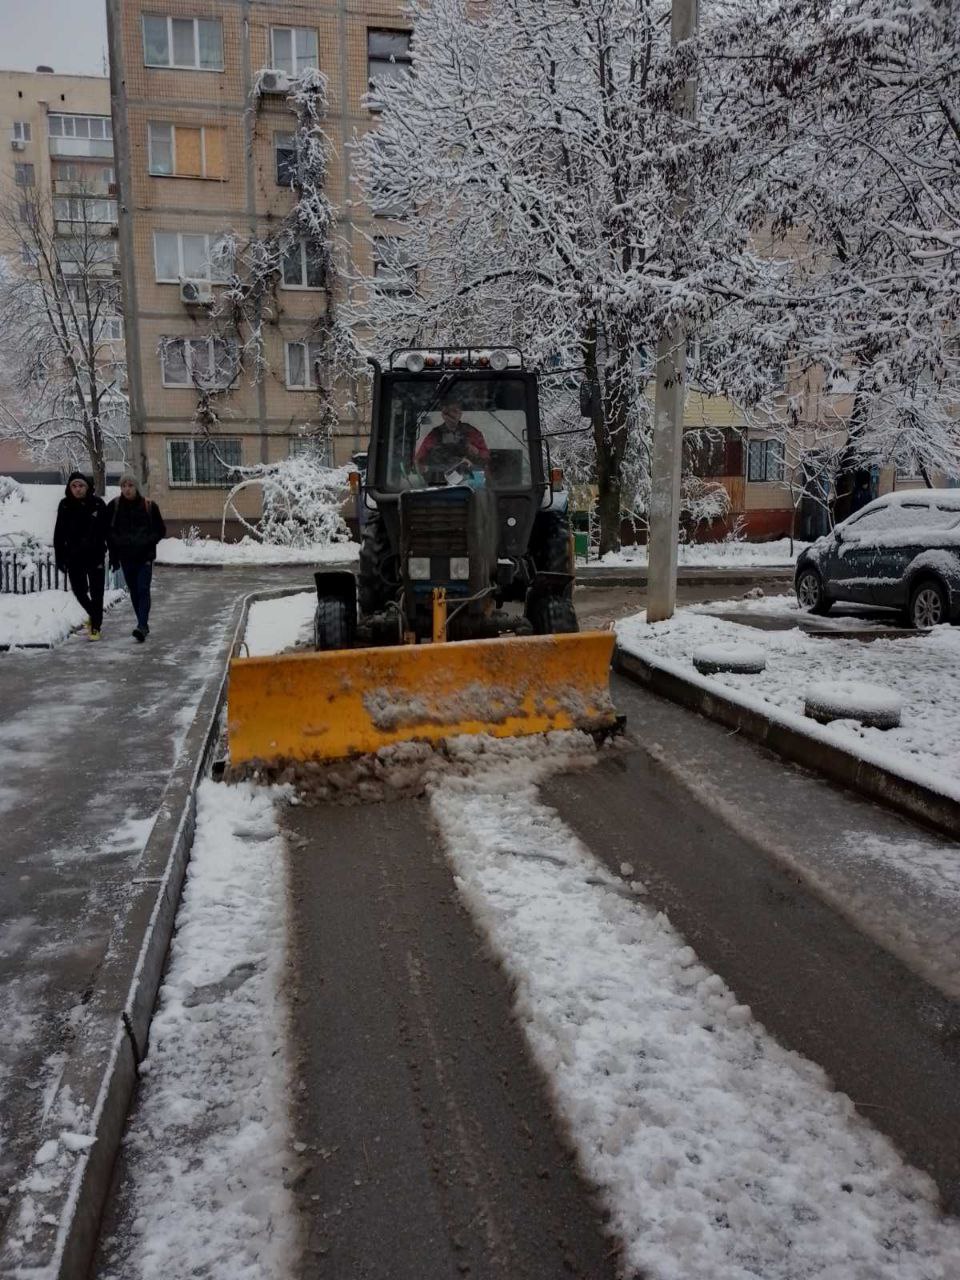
x=877, y=783
x=52, y=1233
x=690, y=575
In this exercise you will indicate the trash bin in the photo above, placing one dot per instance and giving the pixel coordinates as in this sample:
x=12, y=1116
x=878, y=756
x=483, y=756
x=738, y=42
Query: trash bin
x=581, y=545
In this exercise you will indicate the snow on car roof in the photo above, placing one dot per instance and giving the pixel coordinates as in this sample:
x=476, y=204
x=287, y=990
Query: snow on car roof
x=949, y=498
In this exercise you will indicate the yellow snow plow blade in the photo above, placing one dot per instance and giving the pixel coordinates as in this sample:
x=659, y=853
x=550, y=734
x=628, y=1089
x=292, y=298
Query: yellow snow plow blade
x=325, y=706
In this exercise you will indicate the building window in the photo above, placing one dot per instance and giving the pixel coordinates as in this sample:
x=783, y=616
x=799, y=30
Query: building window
x=185, y=255
x=303, y=267
x=207, y=363
x=179, y=151
x=91, y=176
x=388, y=58
x=302, y=360
x=193, y=44
x=96, y=127
x=23, y=175
x=111, y=329
x=392, y=270
x=21, y=131
x=76, y=209
x=197, y=463
x=315, y=447
x=293, y=49
x=285, y=149
x=765, y=460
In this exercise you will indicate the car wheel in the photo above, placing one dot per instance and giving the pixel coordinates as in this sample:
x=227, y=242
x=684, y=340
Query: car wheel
x=928, y=604
x=810, y=594
x=331, y=625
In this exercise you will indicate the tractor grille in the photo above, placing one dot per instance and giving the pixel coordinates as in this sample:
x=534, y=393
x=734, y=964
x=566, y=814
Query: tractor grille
x=435, y=524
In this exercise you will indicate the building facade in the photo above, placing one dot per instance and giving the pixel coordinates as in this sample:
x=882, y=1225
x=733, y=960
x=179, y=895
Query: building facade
x=204, y=141
x=56, y=155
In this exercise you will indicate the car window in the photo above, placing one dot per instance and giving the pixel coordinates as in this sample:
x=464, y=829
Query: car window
x=899, y=516
x=881, y=518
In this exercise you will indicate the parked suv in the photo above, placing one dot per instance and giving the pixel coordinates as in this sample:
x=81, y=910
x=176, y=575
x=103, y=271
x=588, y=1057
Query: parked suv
x=901, y=551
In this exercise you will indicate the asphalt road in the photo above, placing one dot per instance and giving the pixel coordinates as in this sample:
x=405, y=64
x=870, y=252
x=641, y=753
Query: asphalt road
x=431, y=1151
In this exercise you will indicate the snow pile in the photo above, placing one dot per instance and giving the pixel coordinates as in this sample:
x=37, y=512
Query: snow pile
x=717, y=1152
x=746, y=659
x=276, y=625
x=921, y=670
x=43, y=617
x=713, y=555
x=201, y=551
x=208, y=1145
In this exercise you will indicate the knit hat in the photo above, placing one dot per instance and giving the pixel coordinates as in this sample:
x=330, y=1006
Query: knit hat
x=78, y=475
x=128, y=475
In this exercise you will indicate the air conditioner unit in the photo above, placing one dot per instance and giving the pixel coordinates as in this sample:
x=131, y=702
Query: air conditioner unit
x=275, y=82
x=17, y=144
x=195, y=293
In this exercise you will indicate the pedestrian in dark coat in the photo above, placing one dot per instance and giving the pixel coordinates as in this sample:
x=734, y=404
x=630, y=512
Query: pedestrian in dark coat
x=134, y=527
x=79, y=546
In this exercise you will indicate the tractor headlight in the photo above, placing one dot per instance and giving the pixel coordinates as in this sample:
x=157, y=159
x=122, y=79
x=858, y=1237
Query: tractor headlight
x=418, y=568
x=415, y=361
x=499, y=360
x=459, y=568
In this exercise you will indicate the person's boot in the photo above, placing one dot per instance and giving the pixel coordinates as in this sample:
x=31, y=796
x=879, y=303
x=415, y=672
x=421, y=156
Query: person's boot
x=94, y=634
x=138, y=635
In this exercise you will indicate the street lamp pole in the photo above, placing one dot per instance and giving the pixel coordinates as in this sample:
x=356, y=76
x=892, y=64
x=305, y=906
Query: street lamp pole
x=667, y=457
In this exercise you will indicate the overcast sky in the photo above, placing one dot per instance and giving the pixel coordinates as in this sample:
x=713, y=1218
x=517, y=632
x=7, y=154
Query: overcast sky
x=68, y=35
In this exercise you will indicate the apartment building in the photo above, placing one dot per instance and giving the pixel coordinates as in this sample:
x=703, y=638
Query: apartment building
x=204, y=150
x=56, y=148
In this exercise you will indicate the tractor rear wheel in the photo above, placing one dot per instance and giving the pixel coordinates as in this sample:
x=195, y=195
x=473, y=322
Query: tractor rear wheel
x=377, y=580
x=552, y=615
x=331, y=624
x=550, y=542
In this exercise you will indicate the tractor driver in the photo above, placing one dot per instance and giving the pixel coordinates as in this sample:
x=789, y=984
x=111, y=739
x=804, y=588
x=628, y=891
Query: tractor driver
x=450, y=443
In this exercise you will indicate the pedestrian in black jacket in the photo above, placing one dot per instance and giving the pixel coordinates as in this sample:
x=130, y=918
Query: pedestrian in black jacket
x=134, y=527
x=79, y=544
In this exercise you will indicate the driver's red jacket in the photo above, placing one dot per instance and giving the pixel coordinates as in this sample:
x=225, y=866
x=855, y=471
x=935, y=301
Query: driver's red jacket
x=471, y=440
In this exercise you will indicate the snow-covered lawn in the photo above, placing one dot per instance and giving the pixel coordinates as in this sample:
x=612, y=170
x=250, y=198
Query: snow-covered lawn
x=36, y=514
x=718, y=555
x=922, y=670
x=275, y=625
x=205, y=551
x=209, y=1145
x=717, y=1152
x=43, y=617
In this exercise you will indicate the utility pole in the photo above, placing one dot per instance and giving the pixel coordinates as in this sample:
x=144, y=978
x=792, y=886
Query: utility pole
x=667, y=460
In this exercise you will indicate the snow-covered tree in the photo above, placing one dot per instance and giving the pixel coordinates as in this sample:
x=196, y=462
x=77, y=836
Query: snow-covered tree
x=863, y=103
x=535, y=155
x=60, y=339
x=302, y=502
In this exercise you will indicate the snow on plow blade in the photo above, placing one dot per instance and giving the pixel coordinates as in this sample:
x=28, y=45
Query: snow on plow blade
x=325, y=706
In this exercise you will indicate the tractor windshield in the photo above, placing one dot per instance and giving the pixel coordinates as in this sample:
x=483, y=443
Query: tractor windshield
x=454, y=431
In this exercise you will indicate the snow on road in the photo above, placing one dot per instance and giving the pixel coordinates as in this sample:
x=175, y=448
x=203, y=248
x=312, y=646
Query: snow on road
x=208, y=1145
x=922, y=670
x=717, y=1152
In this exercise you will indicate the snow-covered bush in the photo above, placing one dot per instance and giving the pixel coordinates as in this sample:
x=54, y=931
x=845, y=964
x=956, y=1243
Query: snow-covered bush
x=10, y=490
x=301, y=500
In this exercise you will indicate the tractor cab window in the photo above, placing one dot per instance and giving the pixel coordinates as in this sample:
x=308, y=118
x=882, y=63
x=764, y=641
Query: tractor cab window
x=455, y=431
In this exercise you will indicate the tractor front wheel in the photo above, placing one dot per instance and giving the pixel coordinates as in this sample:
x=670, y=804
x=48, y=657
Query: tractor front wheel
x=331, y=624
x=552, y=615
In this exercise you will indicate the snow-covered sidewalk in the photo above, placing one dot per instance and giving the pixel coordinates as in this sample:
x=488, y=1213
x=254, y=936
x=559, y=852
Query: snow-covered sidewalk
x=209, y=551
x=43, y=617
x=712, y=555
x=923, y=670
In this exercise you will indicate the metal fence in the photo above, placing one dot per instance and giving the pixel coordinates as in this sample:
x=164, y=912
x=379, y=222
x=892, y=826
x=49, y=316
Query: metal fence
x=23, y=572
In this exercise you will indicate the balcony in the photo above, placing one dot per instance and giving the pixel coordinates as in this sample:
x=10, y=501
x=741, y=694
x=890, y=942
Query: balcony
x=93, y=148
x=63, y=187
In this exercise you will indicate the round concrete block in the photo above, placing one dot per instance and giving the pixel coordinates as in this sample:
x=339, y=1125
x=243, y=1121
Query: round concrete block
x=740, y=659
x=872, y=705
